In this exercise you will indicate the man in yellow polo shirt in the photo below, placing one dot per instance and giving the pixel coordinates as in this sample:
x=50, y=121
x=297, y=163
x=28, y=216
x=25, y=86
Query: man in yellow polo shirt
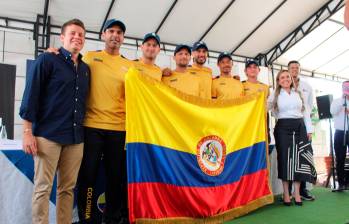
x=150, y=49
x=252, y=85
x=105, y=129
x=225, y=86
x=181, y=78
x=105, y=122
x=200, y=54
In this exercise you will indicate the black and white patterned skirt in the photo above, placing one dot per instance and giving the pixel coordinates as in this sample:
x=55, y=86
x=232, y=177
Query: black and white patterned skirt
x=294, y=151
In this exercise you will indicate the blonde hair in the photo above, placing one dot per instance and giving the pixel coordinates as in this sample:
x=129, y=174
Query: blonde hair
x=278, y=89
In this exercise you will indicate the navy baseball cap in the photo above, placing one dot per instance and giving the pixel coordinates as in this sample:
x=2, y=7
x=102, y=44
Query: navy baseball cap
x=151, y=35
x=180, y=47
x=224, y=55
x=111, y=22
x=199, y=44
x=251, y=62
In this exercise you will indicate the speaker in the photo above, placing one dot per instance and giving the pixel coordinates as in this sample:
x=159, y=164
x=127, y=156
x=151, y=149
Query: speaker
x=323, y=106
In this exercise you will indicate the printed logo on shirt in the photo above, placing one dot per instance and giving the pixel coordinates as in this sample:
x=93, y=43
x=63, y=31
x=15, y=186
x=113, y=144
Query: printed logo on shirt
x=98, y=59
x=101, y=202
x=222, y=83
x=88, y=210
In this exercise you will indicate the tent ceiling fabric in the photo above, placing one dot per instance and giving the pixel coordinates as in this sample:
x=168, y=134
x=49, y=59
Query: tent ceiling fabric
x=247, y=27
x=26, y=11
x=242, y=17
x=92, y=14
x=190, y=19
x=325, y=50
x=186, y=23
x=283, y=22
x=140, y=17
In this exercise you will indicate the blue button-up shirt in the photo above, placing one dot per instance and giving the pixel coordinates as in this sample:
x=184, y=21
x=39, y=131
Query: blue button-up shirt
x=54, y=98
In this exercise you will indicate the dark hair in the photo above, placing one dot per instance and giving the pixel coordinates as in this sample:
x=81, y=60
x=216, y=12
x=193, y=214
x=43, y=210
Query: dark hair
x=76, y=22
x=292, y=62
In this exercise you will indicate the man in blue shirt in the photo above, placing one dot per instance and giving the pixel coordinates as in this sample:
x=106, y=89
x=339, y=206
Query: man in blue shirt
x=53, y=110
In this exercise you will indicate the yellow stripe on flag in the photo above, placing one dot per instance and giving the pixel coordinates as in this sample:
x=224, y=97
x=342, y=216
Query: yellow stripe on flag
x=178, y=124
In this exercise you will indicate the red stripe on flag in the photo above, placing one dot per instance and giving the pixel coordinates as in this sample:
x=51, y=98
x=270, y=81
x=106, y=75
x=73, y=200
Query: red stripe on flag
x=158, y=200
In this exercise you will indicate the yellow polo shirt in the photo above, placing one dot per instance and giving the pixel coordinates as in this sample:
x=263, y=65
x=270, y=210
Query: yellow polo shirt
x=250, y=88
x=186, y=82
x=153, y=71
x=106, y=101
x=205, y=75
x=226, y=88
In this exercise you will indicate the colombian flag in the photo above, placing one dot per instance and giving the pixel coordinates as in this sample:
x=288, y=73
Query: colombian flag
x=193, y=160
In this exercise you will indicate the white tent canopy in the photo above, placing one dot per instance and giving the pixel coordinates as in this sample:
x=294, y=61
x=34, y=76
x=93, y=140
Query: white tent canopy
x=246, y=28
x=325, y=50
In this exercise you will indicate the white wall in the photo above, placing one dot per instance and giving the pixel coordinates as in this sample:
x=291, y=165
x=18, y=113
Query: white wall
x=18, y=46
x=1, y=45
x=15, y=48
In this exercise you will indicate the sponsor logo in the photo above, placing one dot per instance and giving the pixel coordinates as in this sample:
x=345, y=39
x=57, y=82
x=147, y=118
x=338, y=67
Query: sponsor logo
x=101, y=202
x=88, y=203
x=98, y=59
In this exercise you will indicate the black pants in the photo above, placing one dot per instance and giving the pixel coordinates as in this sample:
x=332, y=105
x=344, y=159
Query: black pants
x=341, y=151
x=110, y=145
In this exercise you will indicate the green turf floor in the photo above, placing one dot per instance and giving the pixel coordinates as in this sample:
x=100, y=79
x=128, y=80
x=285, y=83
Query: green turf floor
x=328, y=208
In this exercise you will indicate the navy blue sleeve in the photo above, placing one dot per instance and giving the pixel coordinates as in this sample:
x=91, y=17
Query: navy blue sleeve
x=35, y=81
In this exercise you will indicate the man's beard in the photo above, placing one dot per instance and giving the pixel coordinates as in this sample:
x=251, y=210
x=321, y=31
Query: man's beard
x=199, y=62
x=114, y=44
x=182, y=65
x=226, y=71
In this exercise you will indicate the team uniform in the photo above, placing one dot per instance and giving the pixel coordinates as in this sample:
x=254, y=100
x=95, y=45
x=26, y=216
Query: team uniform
x=104, y=136
x=205, y=75
x=187, y=82
x=250, y=88
x=153, y=71
x=226, y=88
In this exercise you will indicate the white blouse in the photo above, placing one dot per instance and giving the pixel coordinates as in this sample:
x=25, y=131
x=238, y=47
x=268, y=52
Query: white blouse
x=290, y=106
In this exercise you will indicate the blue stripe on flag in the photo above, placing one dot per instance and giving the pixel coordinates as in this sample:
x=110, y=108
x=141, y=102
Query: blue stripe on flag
x=152, y=163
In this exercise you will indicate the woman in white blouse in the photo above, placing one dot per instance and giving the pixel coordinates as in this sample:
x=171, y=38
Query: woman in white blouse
x=292, y=136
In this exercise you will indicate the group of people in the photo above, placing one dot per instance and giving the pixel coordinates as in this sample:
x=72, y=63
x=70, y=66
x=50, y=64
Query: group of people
x=74, y=114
